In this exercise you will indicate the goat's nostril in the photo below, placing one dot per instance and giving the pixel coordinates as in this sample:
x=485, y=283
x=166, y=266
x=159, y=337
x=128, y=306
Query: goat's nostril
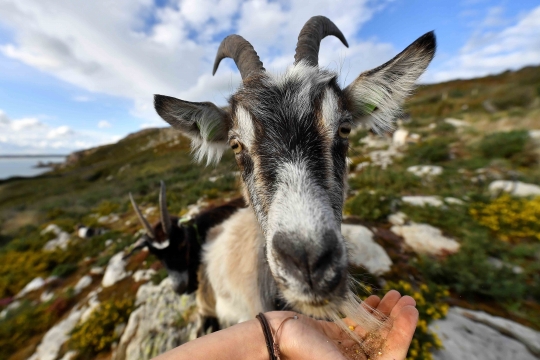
x=289, y=252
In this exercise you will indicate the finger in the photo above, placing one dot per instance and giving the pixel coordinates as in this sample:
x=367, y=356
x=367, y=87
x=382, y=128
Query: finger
x=404, y=301
x=388, y=302
x=372, y=301
x=400, y=336
x=370, y=304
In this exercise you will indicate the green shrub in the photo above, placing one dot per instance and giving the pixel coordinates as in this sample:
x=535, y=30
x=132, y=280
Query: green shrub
x=159, y=276
x=430, y=152
x=106, y=207
x=470, y=274
x=391, y=180
x=370, y=205
x=443, y=128
x=513, y=98
x=64, y=270
x=21, y=324
x=504, y=144
x=98, y=333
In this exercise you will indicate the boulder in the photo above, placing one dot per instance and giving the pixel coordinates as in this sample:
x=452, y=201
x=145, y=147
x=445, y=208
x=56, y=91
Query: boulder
x=61, y=242
x=425, y=170
x=383, y=158
x=425, y=239
x=398, y=218
x=35, y=284
x=46, y=296
x=97, y=270
x=51, y=228
x=399, y=138
x=70, y=355
x=375, y=141
x=115, y=270
x=453, y=201
x=82, y=284
x=464, y=338
x=50, y=345
x=162, y=321
x=143, y=275
x=364, y=251
x=528, y=337
x=422, y=200
x=516, y=188
x=456, y=122
x=534, y=134
x=12, y=306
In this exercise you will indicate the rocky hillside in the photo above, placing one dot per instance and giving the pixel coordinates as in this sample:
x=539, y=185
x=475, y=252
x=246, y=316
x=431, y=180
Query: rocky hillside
x=446, y=209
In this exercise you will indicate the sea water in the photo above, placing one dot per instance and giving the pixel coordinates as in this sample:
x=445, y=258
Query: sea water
x=22, y=166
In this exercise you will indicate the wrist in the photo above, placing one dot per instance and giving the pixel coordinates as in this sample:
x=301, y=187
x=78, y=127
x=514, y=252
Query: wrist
x=283, y=338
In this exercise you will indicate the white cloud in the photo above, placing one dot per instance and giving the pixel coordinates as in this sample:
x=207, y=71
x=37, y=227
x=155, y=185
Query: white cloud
x=33, y=136
x=25, y=124
x=489, y=51
x=112, y=48
x=103, y=124
x=82, y=98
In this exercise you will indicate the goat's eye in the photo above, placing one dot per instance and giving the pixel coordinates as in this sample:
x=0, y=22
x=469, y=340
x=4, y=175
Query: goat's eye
x=345, y=130
x=235, y=146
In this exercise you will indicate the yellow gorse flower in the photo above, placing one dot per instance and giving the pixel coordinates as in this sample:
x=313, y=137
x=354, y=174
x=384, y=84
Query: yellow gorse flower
x=509, y=217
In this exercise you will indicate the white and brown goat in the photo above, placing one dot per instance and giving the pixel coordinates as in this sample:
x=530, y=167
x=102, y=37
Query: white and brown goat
x=178, y=247
x=289, y=134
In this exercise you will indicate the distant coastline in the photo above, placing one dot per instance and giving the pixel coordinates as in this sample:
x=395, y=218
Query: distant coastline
x=18, y=165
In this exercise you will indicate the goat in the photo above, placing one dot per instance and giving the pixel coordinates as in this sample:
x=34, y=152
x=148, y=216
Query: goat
x=178, y=247
x=289, y=134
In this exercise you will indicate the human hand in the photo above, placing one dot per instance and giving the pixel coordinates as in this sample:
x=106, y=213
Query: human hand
x=307, y=338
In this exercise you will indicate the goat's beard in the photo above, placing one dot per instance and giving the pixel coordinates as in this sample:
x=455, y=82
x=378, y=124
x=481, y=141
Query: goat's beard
x=374, y=324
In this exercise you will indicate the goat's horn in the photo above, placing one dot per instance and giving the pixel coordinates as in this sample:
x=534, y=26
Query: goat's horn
x=144, y=222
x=164, y=213
x=243, y=54
x=309, y=40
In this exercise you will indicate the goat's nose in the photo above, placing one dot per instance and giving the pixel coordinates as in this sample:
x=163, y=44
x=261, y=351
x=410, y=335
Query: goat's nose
x=316, y=262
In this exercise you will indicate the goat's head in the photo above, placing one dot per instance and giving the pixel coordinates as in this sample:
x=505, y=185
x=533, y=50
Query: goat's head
x=289, y=134
x=169, y=243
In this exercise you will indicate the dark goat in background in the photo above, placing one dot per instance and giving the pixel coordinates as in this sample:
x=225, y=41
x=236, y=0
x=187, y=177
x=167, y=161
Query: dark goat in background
x=178, y=246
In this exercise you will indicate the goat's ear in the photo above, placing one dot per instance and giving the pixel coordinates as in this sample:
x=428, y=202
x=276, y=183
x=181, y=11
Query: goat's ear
x=203, y=122
x=376, y=96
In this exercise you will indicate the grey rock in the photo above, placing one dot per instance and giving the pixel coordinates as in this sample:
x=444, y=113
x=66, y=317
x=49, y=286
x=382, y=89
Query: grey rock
x=35, y=284
x=422, y=200
x=82, y=284
x=13, y=306
x=425, y=239
x=425, y=170
x=364, y=251
x=398, y=218
x=528, y=337
x=115, y=270
x=456, y=122
x=464, y=338
x=50, y=345
x=516, y=188
x=162, y=321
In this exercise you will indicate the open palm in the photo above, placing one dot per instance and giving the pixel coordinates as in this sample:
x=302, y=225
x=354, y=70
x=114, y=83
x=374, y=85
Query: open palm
x=307, y=338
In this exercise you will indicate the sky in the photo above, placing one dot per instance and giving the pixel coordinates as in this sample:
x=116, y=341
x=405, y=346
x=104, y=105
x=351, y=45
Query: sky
x=76, y=74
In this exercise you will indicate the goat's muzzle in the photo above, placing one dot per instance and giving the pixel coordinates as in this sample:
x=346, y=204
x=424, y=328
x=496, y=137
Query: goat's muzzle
x=317, y=266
